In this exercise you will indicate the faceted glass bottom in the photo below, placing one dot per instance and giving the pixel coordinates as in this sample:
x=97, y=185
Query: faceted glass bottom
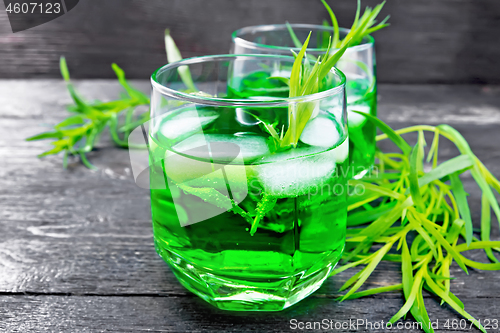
x=229, y=293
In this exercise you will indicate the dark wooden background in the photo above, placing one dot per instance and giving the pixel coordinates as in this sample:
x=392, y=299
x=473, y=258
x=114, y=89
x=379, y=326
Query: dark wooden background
x=76, y=246
x=430, y=41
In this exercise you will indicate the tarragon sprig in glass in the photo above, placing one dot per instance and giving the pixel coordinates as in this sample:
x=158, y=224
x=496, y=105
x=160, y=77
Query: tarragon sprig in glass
x=362, y=26
x=304, y=80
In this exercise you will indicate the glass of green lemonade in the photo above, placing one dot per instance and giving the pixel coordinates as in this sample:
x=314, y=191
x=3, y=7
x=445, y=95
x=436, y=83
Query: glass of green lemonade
x=357, y=63
x=244, y=223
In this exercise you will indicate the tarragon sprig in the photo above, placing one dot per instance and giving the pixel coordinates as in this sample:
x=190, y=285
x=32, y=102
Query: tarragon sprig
x=404, y=202
x=304, y=80
x=173, y=54
x=362, y=26
x=78, y=134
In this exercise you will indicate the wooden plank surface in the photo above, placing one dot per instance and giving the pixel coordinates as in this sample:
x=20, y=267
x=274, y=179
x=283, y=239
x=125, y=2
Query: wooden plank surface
x=76, y=249
x=439, y=41
x=184, y=314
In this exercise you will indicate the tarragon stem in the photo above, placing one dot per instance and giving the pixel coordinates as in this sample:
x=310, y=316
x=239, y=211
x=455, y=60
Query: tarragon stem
x=432, y=206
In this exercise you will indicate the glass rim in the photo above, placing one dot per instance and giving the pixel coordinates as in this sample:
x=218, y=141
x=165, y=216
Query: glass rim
x=270, y=27
x=218, y=101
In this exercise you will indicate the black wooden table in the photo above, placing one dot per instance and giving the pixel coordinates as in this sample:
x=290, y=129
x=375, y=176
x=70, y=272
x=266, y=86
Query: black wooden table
x=76, y=247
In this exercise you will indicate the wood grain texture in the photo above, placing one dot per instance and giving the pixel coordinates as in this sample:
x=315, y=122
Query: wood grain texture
x=429, y=41
x=76, y=249
x=187, y=314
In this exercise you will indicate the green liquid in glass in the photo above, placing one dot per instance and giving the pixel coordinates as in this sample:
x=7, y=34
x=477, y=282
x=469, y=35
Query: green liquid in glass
x=362, y=132
x=299, y=238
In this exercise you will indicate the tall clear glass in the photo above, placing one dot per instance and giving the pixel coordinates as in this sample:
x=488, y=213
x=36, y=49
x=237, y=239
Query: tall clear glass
x=358, y=65
x=243, y=222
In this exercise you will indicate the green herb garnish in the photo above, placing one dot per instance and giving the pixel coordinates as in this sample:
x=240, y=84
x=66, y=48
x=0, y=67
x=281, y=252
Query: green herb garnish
x=78, y=134
x=402, y=200
x=173, y=54
x=304, y=80
x=362, y=26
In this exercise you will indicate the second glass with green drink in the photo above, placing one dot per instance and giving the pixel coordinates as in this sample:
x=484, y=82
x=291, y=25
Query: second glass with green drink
x=357, y=63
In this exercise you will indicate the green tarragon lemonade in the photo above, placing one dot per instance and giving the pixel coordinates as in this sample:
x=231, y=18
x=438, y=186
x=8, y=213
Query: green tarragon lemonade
x=361, y=96
x=248, y=177
x=282, y=222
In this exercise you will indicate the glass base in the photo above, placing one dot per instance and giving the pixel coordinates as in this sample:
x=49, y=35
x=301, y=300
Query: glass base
x=229, y=293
